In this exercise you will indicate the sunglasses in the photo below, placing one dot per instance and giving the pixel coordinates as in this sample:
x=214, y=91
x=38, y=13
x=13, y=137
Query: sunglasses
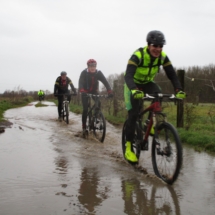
x=157, y=46
x=92, y=65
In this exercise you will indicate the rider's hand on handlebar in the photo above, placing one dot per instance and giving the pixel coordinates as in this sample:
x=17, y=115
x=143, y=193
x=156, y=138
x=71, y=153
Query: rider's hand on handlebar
x=75, y=93
x=82, y=91
x=110, y=93
x=137, y=94
x=180, y=95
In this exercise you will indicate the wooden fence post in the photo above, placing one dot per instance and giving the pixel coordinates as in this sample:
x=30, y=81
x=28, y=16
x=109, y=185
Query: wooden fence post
x=115, y=102
x=180, y=104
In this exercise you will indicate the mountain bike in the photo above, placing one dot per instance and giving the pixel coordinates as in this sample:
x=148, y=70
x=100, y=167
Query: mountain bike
x=65, y=106
x=41, y=98
x=95, y=118
x=166, y=145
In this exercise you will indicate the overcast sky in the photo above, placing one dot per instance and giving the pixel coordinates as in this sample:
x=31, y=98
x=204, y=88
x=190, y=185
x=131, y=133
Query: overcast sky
x=40, y=38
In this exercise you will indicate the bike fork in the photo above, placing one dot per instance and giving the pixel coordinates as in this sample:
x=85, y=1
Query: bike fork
x=158, y=149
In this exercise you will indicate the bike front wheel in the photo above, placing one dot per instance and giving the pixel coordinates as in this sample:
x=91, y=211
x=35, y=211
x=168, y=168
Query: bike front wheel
x=99, y=127
x=66, y=113
x=166, y=152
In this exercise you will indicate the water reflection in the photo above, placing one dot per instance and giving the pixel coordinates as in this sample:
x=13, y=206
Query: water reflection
x=91, y=192
x=62, y=167
x=62, y=164
x=149, y=199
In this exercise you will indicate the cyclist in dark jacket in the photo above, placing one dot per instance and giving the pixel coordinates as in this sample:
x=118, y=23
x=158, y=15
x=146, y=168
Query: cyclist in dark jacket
x=89, y=83
x=139, y=79
x=61, y=87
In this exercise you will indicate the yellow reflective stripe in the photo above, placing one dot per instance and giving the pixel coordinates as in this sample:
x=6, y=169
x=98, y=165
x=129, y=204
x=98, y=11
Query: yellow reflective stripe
x=56, y=83
x=167, y=64
x=138, y=54
x=131, y=62
x=70, y=82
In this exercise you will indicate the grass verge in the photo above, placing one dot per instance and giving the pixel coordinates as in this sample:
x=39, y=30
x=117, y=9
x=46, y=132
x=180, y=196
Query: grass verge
x=39, y=104
x=7, y=103
x=199, y=140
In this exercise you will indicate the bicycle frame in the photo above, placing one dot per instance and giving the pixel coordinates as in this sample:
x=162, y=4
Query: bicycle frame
x=153, y=109
x=65, y=99
x=96, y=102
x=65, y=95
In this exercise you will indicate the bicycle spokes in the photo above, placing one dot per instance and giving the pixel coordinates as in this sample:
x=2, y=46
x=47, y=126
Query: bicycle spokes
x=99, y=127
x=167, y=153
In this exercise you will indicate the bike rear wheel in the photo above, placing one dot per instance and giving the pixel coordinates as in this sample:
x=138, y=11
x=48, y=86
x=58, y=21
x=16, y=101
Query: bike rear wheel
x=99, y=127
x=135, y=146
x=166, y=152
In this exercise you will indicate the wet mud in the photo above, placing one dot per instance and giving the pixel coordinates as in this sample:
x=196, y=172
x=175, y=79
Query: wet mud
x=47, y=167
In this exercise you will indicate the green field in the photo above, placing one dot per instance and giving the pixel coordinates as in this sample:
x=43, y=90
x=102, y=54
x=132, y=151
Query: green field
x=199, y=123
x=7, y=103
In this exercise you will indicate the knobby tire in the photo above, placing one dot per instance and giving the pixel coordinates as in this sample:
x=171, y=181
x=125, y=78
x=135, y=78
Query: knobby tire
x=63, y=112
x=67, y=112
x=170, y=157
x=89, y=120
x=99, y=127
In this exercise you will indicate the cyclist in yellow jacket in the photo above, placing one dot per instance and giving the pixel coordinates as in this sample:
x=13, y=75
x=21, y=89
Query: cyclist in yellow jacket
x=140, y=72
x=41, y=94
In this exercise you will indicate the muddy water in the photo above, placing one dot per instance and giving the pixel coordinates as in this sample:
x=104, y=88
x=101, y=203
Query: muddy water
x=46, y=167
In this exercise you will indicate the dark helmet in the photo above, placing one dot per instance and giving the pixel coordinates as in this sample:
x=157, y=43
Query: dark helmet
x=156, y=38
x=63, y=73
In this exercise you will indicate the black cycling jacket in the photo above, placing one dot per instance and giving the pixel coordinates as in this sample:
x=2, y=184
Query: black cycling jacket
x=62, y=86
x=89, y=81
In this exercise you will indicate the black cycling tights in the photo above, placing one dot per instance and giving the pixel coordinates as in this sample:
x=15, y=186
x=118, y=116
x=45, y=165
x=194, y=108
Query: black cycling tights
x=149, y=88
x=84, y=99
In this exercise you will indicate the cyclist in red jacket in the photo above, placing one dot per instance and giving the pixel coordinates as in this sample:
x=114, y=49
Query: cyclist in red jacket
x=88, y=83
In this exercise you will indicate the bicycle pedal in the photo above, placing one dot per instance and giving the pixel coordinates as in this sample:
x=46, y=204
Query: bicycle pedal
x=85, y=133
x=145, y=146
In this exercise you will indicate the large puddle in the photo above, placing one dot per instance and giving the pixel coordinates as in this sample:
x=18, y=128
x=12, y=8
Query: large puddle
x=48, y=168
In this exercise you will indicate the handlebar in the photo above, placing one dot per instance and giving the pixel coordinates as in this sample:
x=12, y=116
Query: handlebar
x=65, y=94
x=94, y=95
x=160, y=95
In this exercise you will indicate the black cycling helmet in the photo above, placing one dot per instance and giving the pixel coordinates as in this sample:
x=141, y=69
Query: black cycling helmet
x=156, y=38
x=63, y=73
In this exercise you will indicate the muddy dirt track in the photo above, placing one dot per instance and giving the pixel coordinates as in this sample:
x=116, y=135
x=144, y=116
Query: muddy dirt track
x=46, y=167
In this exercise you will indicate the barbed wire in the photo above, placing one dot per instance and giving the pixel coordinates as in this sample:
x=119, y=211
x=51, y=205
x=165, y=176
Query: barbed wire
x=193, y=78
